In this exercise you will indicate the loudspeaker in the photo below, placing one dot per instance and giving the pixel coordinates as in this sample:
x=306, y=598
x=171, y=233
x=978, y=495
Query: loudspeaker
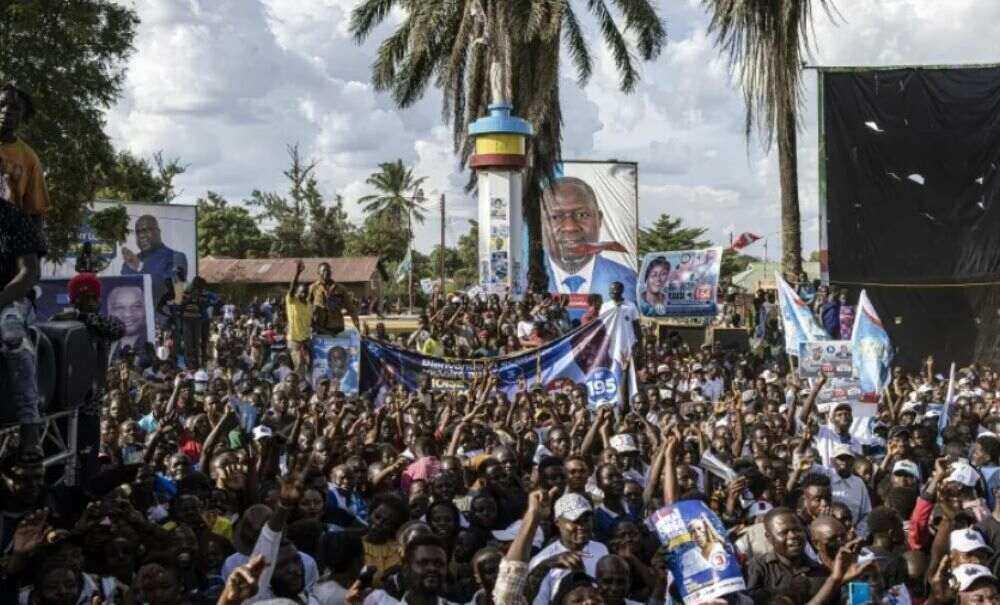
x=76, y=360
x=45, y=367
x=731, y=338
x=694, y=336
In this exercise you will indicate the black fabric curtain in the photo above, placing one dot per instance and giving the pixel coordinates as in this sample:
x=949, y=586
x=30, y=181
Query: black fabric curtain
x=912, y=183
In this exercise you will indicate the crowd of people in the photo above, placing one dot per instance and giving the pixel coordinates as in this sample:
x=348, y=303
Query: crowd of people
x=224, y=481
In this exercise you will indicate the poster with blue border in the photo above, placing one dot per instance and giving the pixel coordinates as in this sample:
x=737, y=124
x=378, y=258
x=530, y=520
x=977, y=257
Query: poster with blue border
x=337, y=358
x=680, y=283
x=700, y=558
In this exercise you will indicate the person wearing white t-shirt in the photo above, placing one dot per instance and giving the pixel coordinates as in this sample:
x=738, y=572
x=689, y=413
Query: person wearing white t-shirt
x=574, y=519
x=837, y=431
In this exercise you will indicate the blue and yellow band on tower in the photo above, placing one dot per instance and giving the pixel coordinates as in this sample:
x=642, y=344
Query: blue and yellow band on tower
x=501, y=139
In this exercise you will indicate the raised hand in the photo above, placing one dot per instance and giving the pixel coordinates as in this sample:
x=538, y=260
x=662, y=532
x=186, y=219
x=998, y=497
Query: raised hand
x=242, y=583
x=30, y=532
x=291, y=487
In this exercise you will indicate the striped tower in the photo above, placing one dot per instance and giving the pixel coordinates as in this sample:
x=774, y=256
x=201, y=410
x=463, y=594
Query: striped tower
x=499, y=161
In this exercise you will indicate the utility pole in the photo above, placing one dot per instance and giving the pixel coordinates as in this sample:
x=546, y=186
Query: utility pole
x=441, y=259
x=409, y=276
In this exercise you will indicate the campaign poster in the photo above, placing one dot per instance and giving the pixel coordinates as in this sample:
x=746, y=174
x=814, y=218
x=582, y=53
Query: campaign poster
x=339, y=359
x=593, y=355
x=699, y=557
x=162, y=239
x=129, y=299
x=589, y=229
x=681, y=283
x=835, y=358
x=839, y=389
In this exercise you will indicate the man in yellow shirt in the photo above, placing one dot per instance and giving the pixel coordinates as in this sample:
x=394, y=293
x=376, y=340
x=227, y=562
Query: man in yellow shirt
x=22, y=181
x=298, y=312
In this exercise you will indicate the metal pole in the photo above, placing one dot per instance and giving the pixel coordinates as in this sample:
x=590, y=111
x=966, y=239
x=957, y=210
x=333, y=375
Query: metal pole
x=441, y=259
x=409, y=276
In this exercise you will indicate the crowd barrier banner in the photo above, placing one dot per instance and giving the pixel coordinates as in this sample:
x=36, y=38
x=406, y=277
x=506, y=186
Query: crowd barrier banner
x=832, y=357
x=589, y=229
x=337, y=358
x=799, y=324
x=872, y=350
x=699, y=557
x=128, y=298
x=682, y=283
x=594, y=355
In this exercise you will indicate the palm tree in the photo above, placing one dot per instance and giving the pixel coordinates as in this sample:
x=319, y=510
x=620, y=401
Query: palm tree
x=765, y=43
x=480, y=52
x=397, y=197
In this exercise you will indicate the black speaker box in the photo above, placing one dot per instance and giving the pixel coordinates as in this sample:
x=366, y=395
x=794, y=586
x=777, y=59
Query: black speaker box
x=76, y=362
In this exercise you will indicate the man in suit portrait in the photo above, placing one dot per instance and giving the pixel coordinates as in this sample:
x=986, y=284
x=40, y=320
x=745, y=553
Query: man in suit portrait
x=154, y=257
x=571, y=231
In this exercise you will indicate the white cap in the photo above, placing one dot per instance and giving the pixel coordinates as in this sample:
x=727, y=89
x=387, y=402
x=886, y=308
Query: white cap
x=261, y=431
x=769, y=377
x=907, y=466
x=572, y=507
x=758, y=508
x=696, y=367
x=911, y=406
x=969, y=573
x=623, y=443
x=962, y=473
x=201, y=376
x=510, y=532
x=842, y=449
x=968, y=540
x=925, y=388
x=663, y=369
x=748, y=395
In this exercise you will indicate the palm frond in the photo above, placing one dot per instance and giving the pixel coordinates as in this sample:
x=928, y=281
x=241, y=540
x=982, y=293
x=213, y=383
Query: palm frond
x=642, y=19
x=390, y=54
x=628, y=76
x=576, y=44
x=367, y=16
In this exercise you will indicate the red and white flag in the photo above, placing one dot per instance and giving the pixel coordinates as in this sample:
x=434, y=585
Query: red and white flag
x=744, y=240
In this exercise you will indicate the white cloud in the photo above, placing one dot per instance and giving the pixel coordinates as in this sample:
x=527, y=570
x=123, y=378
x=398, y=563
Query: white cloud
x=227, y=84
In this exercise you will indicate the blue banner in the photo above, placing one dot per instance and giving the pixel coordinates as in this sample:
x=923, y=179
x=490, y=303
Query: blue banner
x=593, y=355
x=337, y=358
x=680, y=283
x=872, y=349
x=797, y=320
x=699, y=557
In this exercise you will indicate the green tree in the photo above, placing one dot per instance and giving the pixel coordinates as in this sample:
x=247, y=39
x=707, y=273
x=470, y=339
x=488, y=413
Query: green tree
x=468, y=255
x=135, y=179
x=482, y=52
x=71, y=57
x=397, y=203
x=377, y=237
x=228, y=231
x=765, y=43
x=668, y=234
x=304, y=224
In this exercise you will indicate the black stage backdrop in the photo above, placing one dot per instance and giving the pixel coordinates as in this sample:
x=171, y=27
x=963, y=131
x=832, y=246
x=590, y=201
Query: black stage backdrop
x=911, y=164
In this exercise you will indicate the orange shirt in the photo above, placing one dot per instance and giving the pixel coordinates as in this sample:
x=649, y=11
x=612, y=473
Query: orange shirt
x=21, y=179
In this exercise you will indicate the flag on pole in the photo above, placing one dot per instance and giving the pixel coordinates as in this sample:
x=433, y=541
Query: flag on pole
x=404, y=267
x=872, y=350
x=943, y=419
x=745, y=239
x=798, y=322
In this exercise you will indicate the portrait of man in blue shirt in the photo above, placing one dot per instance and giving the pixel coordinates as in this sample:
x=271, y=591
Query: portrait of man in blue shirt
x=571, y=231
x=154, y=257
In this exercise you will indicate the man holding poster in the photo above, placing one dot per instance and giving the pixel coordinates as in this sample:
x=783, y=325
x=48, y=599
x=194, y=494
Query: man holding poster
x=571, y=229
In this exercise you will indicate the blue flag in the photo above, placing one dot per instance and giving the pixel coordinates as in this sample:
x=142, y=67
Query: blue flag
x=872, y=350
x=796, y=318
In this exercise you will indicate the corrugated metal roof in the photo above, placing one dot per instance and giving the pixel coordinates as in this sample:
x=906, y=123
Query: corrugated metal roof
x=357, y=269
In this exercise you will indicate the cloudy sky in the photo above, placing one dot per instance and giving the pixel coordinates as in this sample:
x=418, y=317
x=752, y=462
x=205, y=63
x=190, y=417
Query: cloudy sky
x=226, y=85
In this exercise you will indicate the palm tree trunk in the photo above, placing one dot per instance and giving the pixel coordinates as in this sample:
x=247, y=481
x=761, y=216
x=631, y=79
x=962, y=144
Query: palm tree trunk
x=791, y=227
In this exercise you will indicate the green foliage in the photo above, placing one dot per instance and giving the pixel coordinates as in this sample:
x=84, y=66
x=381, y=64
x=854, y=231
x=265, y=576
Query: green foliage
x=397, y=201
x=668, y=234
x=227, y=231
x=377, y=237
x=303, y=224
x=468, y=255
x=110, y=224
x=134, y=179
x=71, y=57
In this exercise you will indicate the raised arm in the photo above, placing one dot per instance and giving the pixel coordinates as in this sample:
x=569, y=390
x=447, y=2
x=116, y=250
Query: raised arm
x=294, y=285
x=669, y=471
x=810, y=404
